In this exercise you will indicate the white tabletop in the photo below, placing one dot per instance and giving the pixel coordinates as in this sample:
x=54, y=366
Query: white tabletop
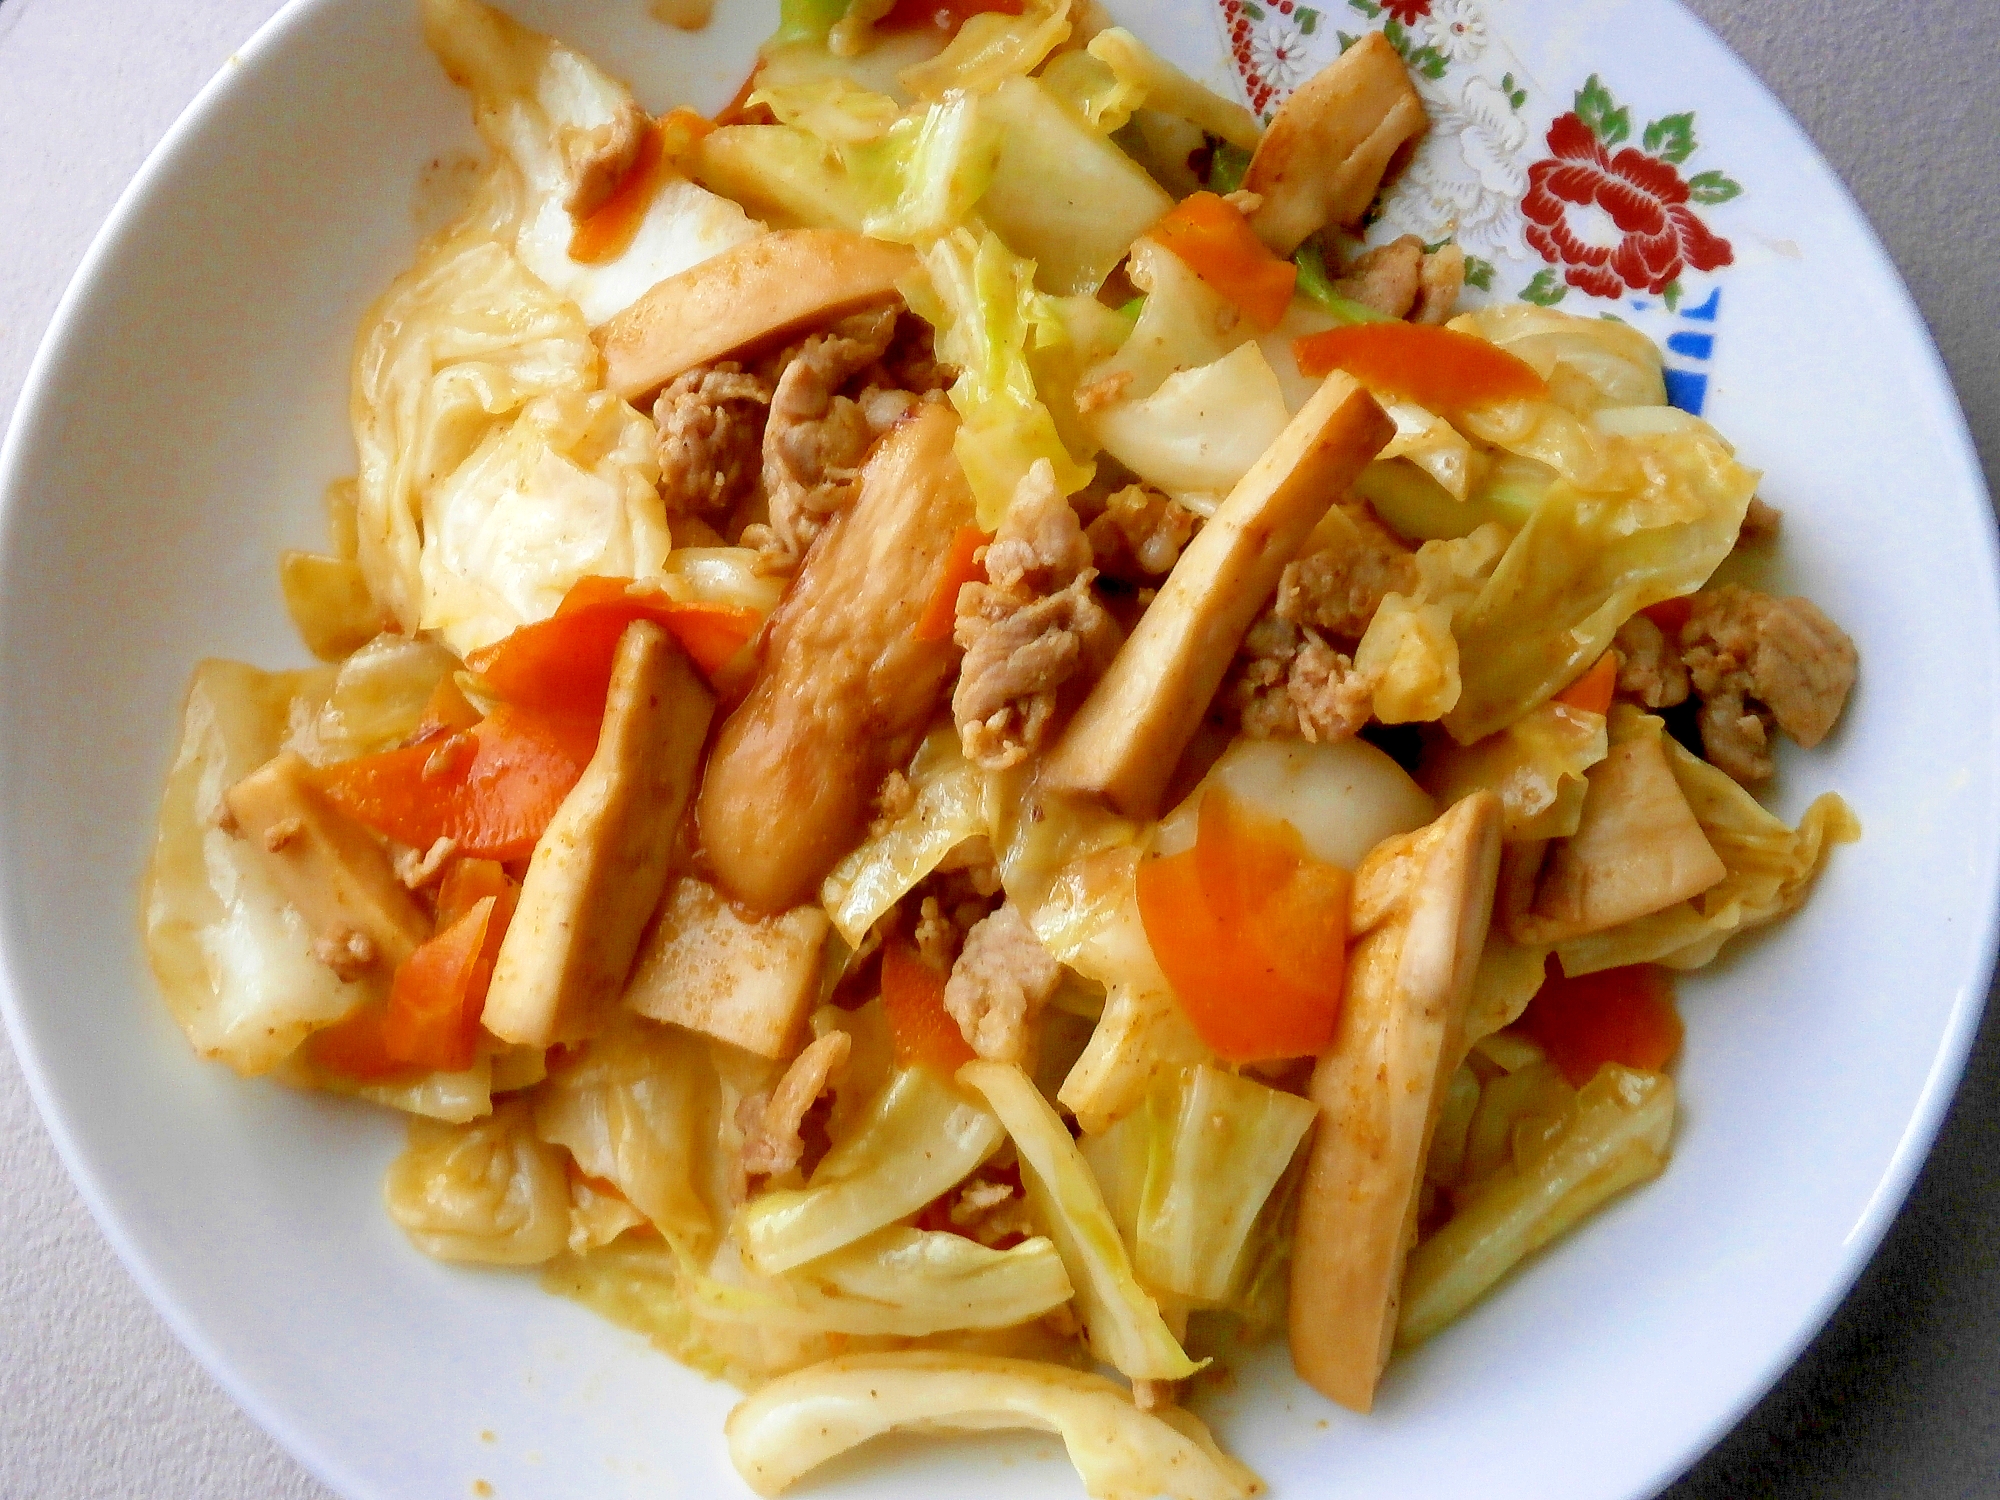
x=1894, y=1399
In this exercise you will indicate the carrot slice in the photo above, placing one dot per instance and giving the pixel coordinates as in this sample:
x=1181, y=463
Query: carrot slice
x=491, y=789
x=921, y=1030
x=1220, y=247
x=1251, y=931
x=609, y=229
x=1624, y=1016
x=961, y=566
x=432, y=1019
x=562, y=665
x=1439, y=368
x=1592, y=691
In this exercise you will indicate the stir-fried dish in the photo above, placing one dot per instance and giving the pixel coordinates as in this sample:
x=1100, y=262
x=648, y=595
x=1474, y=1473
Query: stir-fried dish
x=965, y=756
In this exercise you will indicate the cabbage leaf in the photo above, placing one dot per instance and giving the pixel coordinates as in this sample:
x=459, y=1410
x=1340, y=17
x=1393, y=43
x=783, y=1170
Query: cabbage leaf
x=489, y=1191
x=1207, y=1148
x=1613, y=1134
x=1123, y=1323
x=639, y=1109
x=918, y=1138
x=1634, y=521
x=564, y=493
x=1536, y=765
x=980, y=298
x=232, y=956
x=951, y=806
x=1201, y=430
x=800, y=1421
x=908, y=1283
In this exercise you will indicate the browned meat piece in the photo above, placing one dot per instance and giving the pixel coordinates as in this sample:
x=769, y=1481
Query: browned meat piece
x=1338, y=589
x=1259, y=685
x=1002, y=979
x=1650, y=669
x=1438, y=285
x=1140, y=533
x=844, y=688
x=816, y=438
x=1030, y=629
x=936, y=935
x=1386, y=278
x=1753, y=660
x=1332, y=700
x=711, y=423
x=771, y=1123
x=1760, y=523
x=910, y=363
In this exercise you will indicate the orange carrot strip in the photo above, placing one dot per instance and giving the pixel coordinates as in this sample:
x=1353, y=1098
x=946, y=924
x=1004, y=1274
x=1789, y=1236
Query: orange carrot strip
x=608, y=230
x=1592, y=691
x=1220, y=247
x=491, y=789
x=921, y=1030
x=1622, y=1016
x=1439, y=368
x=961, y=566
x=562, y=665
x=1251, y=931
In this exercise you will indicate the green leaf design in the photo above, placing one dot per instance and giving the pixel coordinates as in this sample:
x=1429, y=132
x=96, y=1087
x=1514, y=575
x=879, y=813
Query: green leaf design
x=1713, y=187
x=1672, y=295
x=1544, y=290
x=1254, y=12
x=1428, y=61
x=1671, y=138
x=1479, y=273
x=1397, y=37
x=1308, y=21
x=1367, y=8
x=1602, y=115
x=1516, y=95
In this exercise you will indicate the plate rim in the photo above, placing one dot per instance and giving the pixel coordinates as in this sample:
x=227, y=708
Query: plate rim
x=1863, y=1241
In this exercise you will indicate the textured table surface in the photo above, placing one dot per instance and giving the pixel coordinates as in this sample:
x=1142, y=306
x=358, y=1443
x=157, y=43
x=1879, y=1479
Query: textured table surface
x=1895, y=1398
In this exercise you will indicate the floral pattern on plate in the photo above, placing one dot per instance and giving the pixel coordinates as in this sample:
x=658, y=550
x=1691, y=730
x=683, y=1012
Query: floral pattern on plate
x=1573, y=208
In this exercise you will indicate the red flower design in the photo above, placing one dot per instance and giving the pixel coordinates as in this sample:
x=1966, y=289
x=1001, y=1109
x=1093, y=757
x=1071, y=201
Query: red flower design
x=1409, y=12
x=1643, y=196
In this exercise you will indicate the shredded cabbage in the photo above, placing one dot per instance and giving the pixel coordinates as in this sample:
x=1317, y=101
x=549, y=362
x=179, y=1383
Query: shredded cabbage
x=376, y=699
x=489, y=1191
x=1535, y=764
x=1122, y=1321
x=1650, y=519
x=981, y=299
x=639, y=1109
x=1204, y=1152
x=800, y=1421
x=1613, y=1134
x=567, y=492
x=232, y=956
x=1062, y=195
x=950, y=807
x=919, y=1138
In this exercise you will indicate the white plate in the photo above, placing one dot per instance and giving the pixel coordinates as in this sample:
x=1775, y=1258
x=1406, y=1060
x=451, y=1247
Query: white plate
x=189, y=406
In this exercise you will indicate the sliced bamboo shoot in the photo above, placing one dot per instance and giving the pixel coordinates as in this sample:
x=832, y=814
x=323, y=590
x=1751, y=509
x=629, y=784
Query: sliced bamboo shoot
x=1638, y=848
x=747, y=980
x=1125, y=739
x=329, y=867
x=1331, y=143
x=601, y=864
x=754, y=293
x=1421, y=905
x=846, y=688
